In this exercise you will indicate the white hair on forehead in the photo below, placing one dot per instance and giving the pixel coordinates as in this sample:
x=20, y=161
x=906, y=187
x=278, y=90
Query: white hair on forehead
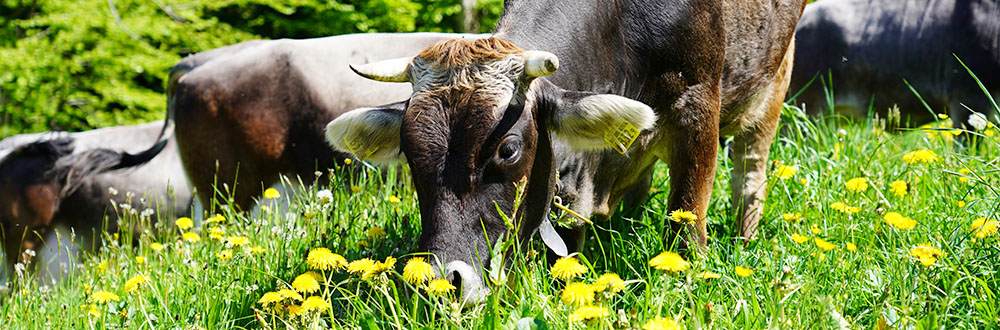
x=494, y=80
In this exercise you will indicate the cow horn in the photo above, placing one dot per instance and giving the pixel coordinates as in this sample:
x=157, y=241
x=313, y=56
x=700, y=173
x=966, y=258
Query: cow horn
x=392, y=70
x=538, y=63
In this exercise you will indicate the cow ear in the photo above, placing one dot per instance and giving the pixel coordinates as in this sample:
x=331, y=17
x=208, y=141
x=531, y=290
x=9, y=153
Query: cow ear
x=370, y=134
x=588, y=121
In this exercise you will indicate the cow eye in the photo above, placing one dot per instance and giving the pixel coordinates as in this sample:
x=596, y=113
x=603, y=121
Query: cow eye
x=510, y=149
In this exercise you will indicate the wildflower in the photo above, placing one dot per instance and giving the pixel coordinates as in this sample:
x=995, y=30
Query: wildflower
x=815, y=229
x=927, y=253
x=363, y=268
x=271, y=193
x=417, y=271
x=393, y=199
x=942, y=116
x=306, y=283
x=270, y=298
x=290, y=294
x=857, y=185
x=799, y=238
x=823, y=244
x=804, y=181
x=325, y=196
x=709, y=275
x=898, y=188
x=375, y=233
x=610, y=282
x=103, y=297
x=314, y=303
x=662, y=323
x=323, y=259
x=156, y=247
x=347, y=161
x=920, y=156
x=844, y=208
x=587, y=313
x=133, y=283
x=218, y=218
x=439, y=287
x=683, y=216
x=578, y=294
x=258, y=250
x=792, y=217
x=785, y=172
x=743, y=272
x=237, y=240
x=140, y=260
x=566, y=268
x=184, y=223
x=669, y=261
x=381, y=266
x=91, y=309
x=899, y=221
x=964, y=172
x=101, y=267
x=851, y=247
x=295, y=310
x=216, y=233
x=983, y=227
x=225, y=254
x=191, y=237
x=355, y=189
x=960, y=204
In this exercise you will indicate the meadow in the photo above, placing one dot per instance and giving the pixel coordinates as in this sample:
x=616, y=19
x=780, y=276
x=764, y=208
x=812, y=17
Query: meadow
x=867, y=226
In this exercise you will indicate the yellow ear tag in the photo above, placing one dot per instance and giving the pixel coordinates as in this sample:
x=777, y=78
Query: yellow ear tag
x=622, y=138
x=357, y=148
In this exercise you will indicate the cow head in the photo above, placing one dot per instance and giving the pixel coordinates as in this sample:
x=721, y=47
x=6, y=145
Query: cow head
x=479, y=121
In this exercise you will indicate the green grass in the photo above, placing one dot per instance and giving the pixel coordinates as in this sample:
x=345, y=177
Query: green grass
x=877, y=286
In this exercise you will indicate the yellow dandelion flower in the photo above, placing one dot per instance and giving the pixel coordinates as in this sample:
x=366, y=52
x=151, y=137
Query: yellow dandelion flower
x=374, y=233
x=257, y=249
x=218, y=218
x=348, y=161
x=578, y=294
x=610, y=282
x=184, y=223
x=102, y=266
x=237, y=240
x=920, y=156
x=216, y=233
x=669, y=261
x=982, y=227
x=271, y=193
x=898, y=188
x=942, y=116
x=899, y=221
x=225, y=254
x=709, y=275
x=156, y=247
x=290, y=294
x=355, y=189
x=823, y=244
x=417, y=271
x=960, y=204
x=926, y=253
x=324, y=259
x=133, y=283
x=104, y=297
x=804, y=181
x=857, y=185
x=587, y=313
x=815, y=229
x=305, y=283
x=393, y=199
x=295, y=310
x=785, y=172
x=315, y=303
x=388, y=264
x=363, y=268
x=270, y=298
x=844, y=208
x=139, y=260
x=439, y=287
x=91, y=309
x=799, y=239
x=743, y=272
x=662, y=323
x=566, y=268
x=851, y=247
x=191, y=237
x=792, y=217
x=683, y=216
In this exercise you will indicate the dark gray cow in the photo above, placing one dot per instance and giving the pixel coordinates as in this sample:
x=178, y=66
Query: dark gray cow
x=59, y=178
x=258, y=108
x=870, y=46
x=485, y=114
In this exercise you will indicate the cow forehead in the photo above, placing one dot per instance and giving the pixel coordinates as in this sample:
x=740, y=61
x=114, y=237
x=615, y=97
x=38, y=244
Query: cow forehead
x=460, y=52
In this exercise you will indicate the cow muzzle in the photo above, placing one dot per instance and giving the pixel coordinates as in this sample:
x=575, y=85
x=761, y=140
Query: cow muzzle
x=469, y=281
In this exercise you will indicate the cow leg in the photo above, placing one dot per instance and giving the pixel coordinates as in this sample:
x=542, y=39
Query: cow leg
x=11, y=248
x=693, y=144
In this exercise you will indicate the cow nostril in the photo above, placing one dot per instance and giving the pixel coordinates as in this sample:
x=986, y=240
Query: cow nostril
x=456, y=280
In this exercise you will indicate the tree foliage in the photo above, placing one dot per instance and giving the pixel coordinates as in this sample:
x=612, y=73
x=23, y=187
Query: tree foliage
x=81, y=64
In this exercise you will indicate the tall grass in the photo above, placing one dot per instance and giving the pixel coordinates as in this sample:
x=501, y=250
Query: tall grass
x=878, y=284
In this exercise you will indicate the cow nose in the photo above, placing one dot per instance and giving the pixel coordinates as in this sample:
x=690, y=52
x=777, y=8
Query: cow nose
x=468, y=281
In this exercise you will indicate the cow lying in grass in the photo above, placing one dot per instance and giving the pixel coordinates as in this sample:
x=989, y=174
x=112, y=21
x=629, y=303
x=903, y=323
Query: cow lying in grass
x=487, y=113
x=68, y=179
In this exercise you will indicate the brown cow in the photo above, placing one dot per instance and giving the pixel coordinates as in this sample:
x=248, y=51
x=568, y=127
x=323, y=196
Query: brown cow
x=483, y=116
